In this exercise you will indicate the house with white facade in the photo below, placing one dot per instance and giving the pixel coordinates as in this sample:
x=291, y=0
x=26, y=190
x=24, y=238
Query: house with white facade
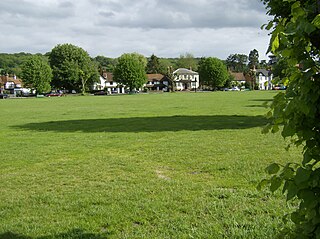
x=186, y=79
x=107, y=83
x=11, y=84
x=239, y=78
x=264, y=79
x=157, y=82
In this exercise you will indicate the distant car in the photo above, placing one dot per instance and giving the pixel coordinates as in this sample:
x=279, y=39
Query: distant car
x=3, y=96
x=100, y=93
x=54, y=94
x=235, y=89
x=279, y=87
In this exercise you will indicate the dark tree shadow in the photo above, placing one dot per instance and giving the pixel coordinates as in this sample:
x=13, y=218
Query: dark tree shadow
x=263, y=100
x=257, y=106
x=11, y=235
x=150, y=124
x=73, y=234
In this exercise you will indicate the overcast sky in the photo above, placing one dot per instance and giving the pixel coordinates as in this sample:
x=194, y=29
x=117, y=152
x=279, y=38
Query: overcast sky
x=166, y=28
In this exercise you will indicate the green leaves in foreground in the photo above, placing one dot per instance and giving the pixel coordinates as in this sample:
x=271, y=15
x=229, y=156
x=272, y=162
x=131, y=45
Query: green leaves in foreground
x=296, y=112
x=297, y=182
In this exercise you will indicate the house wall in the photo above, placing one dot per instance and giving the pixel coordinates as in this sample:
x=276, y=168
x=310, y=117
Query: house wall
x=190, y=85
x=264, y=82
x=111, y=87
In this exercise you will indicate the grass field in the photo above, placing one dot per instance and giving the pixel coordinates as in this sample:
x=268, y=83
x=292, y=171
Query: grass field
x=182, y=165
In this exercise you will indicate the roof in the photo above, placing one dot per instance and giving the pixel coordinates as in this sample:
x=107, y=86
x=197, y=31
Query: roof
x=184, y=71
x=5, y=79
x=155, y=77
x=238, y=76
x=263, y=72
x=108, y=76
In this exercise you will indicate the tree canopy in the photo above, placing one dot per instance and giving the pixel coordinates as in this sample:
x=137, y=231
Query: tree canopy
x=295, y=39
x=130, y=70
x=187, y=61
x=37, y=74
x=105, y=63
x=153, y=65
x=237, y=62
x=212, y=72
x=253, y=59
x=72, y=68
x=12, y=63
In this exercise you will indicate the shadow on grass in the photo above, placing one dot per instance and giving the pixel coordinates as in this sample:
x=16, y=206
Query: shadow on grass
x=149, y=124
x=257, y=106
x=73, y=234
x=263, y=100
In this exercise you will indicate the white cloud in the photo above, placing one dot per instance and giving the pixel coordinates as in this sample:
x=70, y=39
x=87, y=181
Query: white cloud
x=112, y=27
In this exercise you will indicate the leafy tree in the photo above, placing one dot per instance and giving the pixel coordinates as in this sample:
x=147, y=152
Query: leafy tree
x=12, y=63
x=105, y=63
x=295, y=38
x=37, y=74
x=72, y=68
x=153, y=65
x=253, y=59
x=250, y=75
x=130, y=70
x=212, y=72
x=140, y=58
x=229, y=81
x=237, y=62
x=171, y=78
x=263, y=64
x=279, y=70
x=166, y=63
x=188, y=61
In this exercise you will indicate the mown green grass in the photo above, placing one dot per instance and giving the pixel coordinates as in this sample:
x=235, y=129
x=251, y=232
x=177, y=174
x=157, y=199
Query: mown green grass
x=182, y=165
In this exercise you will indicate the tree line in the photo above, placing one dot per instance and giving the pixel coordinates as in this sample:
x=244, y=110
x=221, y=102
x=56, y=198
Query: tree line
x=70, y=67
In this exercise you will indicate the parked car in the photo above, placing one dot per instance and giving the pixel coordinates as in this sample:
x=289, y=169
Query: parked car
x=277, y=87
x=3, y=96
x=235, y=89
x=54, y=94
x=100, y=93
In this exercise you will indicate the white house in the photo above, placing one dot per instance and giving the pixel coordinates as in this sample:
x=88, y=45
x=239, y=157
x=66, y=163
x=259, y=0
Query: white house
x=10, y=84
x=239, y=78
x=186, y=79
x=157, y=82
x=264, y=79
x=106, y=82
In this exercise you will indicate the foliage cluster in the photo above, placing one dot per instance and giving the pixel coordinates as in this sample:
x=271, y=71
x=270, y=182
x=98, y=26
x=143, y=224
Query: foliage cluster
x=295, y=39
x=212, y=72
x=72, y=68
x=12, y=63
x=37, y=74
x=237, y=62
x=130, y=70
